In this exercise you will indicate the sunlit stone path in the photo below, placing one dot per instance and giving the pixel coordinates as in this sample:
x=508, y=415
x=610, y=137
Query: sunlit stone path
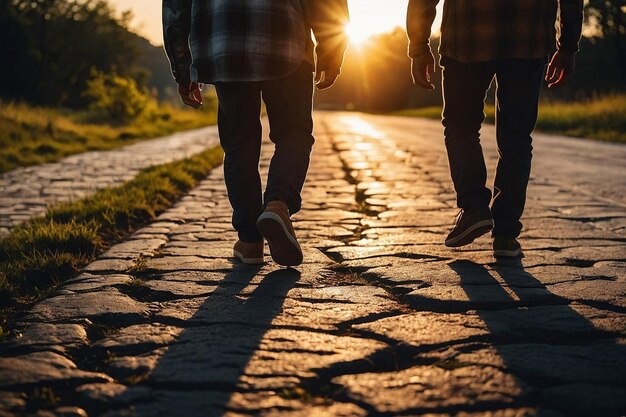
x=27, y=192
x=381, y=320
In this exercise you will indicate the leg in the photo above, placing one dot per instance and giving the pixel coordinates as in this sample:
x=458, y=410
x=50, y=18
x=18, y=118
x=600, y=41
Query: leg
x=519, y=82
x=464, y=89
x=289, y=106
x=240, y=136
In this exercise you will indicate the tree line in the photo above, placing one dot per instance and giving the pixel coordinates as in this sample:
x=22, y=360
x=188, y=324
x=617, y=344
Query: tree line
x=51, y=49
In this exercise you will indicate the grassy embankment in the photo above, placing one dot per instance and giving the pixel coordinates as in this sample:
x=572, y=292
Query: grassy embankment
x=41, y=253
x=32, y=135
x=600, y=118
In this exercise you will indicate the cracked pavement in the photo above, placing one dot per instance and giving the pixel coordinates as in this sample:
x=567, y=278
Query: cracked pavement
x=380, y=320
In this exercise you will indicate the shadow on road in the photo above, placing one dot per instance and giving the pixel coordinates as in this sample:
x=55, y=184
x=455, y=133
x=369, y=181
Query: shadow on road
x=560, y=359
x=207, y=363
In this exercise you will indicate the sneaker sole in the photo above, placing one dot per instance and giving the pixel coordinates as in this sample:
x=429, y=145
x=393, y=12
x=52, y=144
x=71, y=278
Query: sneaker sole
x=248, y=261
x=508, y=253
x=471, y=234
x=284, y=248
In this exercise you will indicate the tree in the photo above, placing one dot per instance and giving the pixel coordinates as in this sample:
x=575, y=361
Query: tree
x=606, y=18
x=53, y=45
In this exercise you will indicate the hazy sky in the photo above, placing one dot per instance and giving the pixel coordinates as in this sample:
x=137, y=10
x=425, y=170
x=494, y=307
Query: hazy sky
x=375, y=15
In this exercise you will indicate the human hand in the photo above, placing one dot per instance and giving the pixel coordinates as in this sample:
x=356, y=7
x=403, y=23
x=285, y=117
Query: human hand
x=422, y=68
x=191, y=94
x=560, y=68
x=326, y=78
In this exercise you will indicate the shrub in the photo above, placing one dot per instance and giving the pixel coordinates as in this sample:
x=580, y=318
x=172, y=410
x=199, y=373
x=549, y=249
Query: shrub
x=114, y=98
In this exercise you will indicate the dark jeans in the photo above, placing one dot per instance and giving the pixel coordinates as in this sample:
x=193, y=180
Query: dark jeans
x=289, y=104
x=465, y=86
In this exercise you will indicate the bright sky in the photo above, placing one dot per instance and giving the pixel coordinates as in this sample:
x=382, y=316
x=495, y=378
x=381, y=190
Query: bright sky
x=368, y=17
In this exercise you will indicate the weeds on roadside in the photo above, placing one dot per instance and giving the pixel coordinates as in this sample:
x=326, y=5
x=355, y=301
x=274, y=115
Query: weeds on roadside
x=34, y=135
x=601, y=118
x=41, y=253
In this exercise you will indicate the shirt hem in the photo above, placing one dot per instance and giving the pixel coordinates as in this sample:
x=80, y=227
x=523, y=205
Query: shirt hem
x=199, y=77
x=487, y=58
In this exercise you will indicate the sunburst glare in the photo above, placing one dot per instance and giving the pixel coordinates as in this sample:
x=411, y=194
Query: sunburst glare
x=373, y=17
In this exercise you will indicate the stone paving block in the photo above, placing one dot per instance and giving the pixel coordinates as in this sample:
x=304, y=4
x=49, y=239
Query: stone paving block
x=133, y=249
x=171, y=290
x=429, y=388
x=192, y=263
x=423, y=329
x=138, y=339
x=135, y=366
x=204, y=249
x=87, y=282
x=110, y=265
x=110, y=394
x=11, y=400
x=107, y=305
x=606, y=292
x=48, y=337
x=327, y=313
x=35, y=369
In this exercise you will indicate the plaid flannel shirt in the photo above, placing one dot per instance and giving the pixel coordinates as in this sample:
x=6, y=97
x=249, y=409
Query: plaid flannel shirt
x=484, y=30
x=213, y=41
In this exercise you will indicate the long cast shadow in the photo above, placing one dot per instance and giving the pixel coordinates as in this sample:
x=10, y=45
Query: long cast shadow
x=547, y=345
x=202, y=369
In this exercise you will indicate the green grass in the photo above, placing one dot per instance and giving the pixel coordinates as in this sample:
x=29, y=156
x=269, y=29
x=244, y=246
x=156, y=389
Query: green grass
x=32, y=135
x=41, y=253
x=601, y=118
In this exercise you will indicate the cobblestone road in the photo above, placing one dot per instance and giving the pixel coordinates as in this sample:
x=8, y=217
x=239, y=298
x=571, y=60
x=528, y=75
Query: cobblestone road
x=27, y=192
x=380, y=320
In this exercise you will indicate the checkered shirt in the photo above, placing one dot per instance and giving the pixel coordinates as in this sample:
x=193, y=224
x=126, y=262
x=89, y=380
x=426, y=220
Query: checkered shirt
x=484, y=30
x=213, y=41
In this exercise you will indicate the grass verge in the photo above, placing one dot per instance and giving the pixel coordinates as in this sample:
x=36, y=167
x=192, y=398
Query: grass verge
x=599, y=118
x=41, y=253
x=33, y=135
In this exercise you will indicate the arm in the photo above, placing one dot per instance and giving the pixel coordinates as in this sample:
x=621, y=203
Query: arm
x=176, y=30
x=563, y=62
x=571, y=25
x=420, y=18
x=328, y=19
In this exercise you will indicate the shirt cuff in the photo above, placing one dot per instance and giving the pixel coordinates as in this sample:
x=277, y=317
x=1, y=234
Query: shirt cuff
x=182, y=75
x=419, y=50
x=570, y=49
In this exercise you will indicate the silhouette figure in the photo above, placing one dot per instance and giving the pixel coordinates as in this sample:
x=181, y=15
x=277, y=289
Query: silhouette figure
x=251, y=50
x=482, y=40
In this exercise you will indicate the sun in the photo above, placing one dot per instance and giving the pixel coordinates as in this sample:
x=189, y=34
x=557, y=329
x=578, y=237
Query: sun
x=358, y=33
x=373, y=17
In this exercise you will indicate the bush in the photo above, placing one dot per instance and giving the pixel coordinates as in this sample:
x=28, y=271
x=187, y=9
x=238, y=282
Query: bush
x=114, y=98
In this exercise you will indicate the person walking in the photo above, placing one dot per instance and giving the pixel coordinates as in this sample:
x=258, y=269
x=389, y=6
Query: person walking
x=511, y=42
x=253, y=51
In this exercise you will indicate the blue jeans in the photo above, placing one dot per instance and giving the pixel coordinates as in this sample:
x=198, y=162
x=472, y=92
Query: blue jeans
x=464, y=87
x=289, y=104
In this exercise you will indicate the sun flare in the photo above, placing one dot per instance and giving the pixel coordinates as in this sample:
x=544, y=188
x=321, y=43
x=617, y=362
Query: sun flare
x=357, y=33
x=373, y=17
